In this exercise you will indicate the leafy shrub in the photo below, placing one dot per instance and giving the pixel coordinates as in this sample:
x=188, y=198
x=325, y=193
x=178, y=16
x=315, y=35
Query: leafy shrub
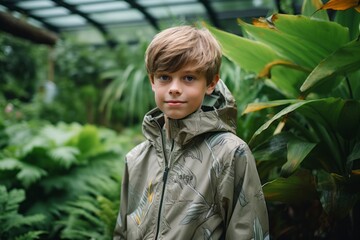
x=71, y=175
x=13, y=224
x=308, y=148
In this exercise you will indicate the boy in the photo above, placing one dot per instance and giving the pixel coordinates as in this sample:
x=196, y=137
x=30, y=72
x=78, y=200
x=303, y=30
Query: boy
x=192, y=178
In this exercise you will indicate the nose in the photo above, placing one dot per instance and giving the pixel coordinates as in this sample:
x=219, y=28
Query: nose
x=175, y=87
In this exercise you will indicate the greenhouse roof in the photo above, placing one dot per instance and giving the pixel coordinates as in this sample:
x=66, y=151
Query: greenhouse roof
x=97, y=21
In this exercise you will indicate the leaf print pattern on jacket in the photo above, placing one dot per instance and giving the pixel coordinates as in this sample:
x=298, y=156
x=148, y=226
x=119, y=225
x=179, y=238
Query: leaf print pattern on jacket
x=145, y=203
x=211, y=189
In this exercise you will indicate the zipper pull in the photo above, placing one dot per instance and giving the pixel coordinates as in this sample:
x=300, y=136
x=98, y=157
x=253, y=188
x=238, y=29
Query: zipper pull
x=165, y=174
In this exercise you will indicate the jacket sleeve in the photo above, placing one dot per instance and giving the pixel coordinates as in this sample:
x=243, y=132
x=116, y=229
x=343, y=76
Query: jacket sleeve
x=244, y=207
x=120, y=231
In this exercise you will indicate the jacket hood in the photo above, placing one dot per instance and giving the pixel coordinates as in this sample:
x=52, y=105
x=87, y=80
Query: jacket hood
x=217, y=114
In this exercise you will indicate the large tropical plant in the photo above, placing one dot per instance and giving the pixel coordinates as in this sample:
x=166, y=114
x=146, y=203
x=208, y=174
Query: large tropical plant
x=309, y=148
x=70, y=178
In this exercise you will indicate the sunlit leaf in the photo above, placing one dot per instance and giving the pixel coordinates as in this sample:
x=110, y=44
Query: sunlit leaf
x=266, y=71
x=329, y=109
x=253, y=107
x=250, y=55
x=296, y=36
x=343, y=61
x=297, y=151
x=265, y=22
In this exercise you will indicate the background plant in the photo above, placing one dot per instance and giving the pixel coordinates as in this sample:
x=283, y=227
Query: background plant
x=308, y=149
x=70, y=173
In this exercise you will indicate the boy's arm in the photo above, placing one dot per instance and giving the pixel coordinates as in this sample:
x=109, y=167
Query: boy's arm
x=121, y=224
x=244, y=205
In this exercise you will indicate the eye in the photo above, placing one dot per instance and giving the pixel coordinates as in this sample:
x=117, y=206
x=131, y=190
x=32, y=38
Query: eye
x=163, y=77
x=189, y=78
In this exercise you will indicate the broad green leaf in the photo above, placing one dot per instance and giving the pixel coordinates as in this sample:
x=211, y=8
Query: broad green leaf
x=310, y=7
x=297, y=150
x=314, y=32
x=294, y=37
x=253, y=107
x=266, y=72
x=254, y=56
x=349, y=18
x=322, y=106
x=288, y=81
x=343, y=61
x=338, y=194
x=297, y=188
x=280, y=114
x=273, y=149
x=248, y=54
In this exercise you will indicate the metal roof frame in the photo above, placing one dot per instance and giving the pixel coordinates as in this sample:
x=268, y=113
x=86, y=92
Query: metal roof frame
x=213, y=15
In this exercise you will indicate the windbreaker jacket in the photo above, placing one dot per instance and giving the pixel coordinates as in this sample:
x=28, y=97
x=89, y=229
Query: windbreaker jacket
x=199, y=182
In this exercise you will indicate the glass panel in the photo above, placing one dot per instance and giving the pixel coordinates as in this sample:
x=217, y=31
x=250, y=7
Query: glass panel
x=130, y=15
x=103, y=6
x=75, y=2
x=168, y=11
x=35, y=4
x=149, y=3
x=67, y=21
x=50, y=12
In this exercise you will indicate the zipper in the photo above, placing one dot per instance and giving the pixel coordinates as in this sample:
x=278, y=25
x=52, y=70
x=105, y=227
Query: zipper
x=165, y=177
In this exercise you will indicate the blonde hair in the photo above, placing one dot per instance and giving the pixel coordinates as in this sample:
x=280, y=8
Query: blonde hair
x=175, y=47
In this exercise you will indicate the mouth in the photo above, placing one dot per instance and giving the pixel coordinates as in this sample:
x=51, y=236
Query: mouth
x=174, y=102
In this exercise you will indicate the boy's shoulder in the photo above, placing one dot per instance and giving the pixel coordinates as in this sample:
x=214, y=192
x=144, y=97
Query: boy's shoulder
x=136, y=151
x=225, y=138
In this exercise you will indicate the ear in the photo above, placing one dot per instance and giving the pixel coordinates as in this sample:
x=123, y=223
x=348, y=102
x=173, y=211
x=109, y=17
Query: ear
x=212, y=85
x=151, y=79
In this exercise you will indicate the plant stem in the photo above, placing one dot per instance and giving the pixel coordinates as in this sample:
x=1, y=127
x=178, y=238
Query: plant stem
x=349, y=86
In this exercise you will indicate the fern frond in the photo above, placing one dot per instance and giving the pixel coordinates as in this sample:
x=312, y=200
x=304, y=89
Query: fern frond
x=9, y=164
x=64, y=155
x=32, y=235
x=60, y=134
x=10, y=219
x=29, y=174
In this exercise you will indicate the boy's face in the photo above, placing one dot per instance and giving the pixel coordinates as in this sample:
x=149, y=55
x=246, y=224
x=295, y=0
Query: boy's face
x=180, y=93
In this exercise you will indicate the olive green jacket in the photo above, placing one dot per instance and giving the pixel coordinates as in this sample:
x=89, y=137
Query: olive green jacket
x=199, y=182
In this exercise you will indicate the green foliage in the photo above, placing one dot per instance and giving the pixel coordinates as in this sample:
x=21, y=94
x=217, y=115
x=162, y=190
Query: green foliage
x=88, y=80
x=13, y=224
x=311, y=129
x=71, y=174
x=20, y=73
